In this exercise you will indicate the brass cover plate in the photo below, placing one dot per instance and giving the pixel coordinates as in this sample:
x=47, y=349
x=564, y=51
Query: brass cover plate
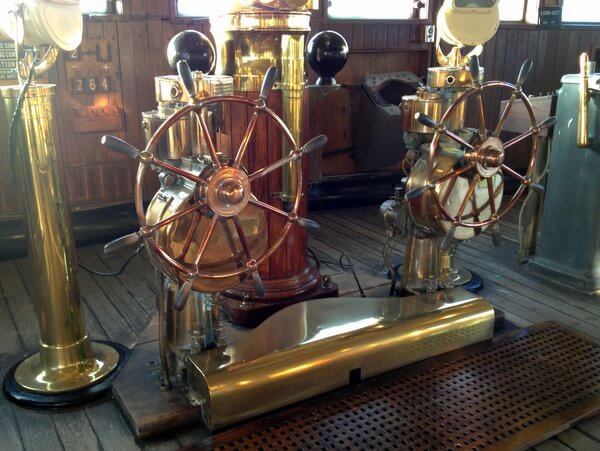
x=511, y=394
x=312, y=347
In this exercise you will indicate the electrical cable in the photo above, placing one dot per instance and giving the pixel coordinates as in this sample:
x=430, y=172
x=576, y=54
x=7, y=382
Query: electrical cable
x=117, y=272
x=390, y=267
x=349, y=266
x=14, y=122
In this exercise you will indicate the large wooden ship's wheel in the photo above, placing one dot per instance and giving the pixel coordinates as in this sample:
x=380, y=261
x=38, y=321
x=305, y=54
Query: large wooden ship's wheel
x=443, y=197
x=215, y=237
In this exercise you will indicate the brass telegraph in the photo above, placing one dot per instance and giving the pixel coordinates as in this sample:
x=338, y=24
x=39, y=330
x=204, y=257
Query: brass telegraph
x=68, y=367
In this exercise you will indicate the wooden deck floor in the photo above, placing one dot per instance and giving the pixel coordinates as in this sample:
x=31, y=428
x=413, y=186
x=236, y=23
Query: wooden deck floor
x=119, y=308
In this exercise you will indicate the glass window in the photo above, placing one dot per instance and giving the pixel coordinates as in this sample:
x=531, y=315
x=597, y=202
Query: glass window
x=375, y=9
x=512, y=10
x=94, y=6
x=581, y=11
x=100, y=7
x=195, y=8
x=519, y=10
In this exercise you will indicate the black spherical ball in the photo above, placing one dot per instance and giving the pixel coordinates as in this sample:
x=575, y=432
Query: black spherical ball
x=193, y=47
x=327, y=53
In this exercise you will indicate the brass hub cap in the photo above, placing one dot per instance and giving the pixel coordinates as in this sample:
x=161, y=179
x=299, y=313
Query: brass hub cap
x=489, y=157
x=228, y=192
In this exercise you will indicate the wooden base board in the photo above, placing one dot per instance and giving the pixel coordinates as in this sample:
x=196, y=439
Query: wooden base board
x=150, y=411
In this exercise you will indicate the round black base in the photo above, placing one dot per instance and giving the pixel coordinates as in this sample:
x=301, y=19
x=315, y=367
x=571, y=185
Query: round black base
x=474, y=285
x=15, y=393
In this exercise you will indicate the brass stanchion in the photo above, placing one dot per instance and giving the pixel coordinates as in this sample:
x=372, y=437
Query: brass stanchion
x=67, y=361
x=68, y=368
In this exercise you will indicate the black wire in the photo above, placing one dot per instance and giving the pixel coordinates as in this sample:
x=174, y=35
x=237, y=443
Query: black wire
x=346, y=267
x=316, y=259
x=350, y=266
x=115, y=273
x=390, y=267
x=14, y=122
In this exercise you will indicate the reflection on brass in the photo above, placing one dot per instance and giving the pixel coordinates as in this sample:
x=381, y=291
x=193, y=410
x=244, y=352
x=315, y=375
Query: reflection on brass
x=312, y=347
x=249, y=41
x=185, y=138
x=425, y=211
x=583, y=128
x=219, y=257
x=67, y=361
x=451, y=78
x=455, y=58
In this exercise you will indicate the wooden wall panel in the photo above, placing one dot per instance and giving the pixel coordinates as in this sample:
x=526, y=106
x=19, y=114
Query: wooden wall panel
x=97, y=177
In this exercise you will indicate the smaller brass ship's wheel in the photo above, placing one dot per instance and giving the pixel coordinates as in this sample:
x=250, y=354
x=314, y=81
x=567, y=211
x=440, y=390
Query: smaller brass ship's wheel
x=222, y=193
x=482, y=161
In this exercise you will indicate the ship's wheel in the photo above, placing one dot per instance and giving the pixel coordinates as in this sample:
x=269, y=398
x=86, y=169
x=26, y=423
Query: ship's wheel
x=217, y=204
x=448, y=195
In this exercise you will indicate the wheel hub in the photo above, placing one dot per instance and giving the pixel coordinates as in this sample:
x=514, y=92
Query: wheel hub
x=489, y=157
x=228, y=192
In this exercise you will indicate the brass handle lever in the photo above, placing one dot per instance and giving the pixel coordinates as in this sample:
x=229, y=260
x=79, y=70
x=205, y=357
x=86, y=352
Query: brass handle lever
x=583, y=125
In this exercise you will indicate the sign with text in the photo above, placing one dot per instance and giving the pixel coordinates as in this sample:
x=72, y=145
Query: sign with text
x=550, y=16
x=8, y=61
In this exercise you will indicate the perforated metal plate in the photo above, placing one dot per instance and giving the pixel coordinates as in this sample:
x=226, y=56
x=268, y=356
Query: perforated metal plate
x=511, y=394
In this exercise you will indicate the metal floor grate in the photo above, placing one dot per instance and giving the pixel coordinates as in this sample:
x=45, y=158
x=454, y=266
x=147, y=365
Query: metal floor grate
x=511, y=392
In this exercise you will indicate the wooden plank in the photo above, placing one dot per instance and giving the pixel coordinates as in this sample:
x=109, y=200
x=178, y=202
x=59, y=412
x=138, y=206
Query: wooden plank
x=11, y=439
x=37, y=430
x=147, y=409
x=20, y=304
x=578, y=440
x=137, y=288
x=76, y=432
x=134, y=314
x=110, y=427
x=115, y=326
x=591, y=426
x=552, y=445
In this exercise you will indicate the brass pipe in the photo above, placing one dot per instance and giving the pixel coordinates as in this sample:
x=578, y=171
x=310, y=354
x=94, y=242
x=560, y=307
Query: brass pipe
x=67, y=361
x=583, y=132
x=292, y=86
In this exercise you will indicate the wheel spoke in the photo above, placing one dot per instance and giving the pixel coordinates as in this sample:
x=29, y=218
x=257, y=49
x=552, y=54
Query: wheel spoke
x=448, y=190
x=505, y=114
x=423, y=189
x=178, y=171
x=189, y=236
x=518, y=139
x=468, y=196
x=514, y=174
x=265, y=206
x=293, y=156
x=492, y=195
x=177, y=216
x=242, y=236
x=246, y=140
x=482, y=127
x=205, y=240
x=211, y=145
x=454, y=137
x=315, y=144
